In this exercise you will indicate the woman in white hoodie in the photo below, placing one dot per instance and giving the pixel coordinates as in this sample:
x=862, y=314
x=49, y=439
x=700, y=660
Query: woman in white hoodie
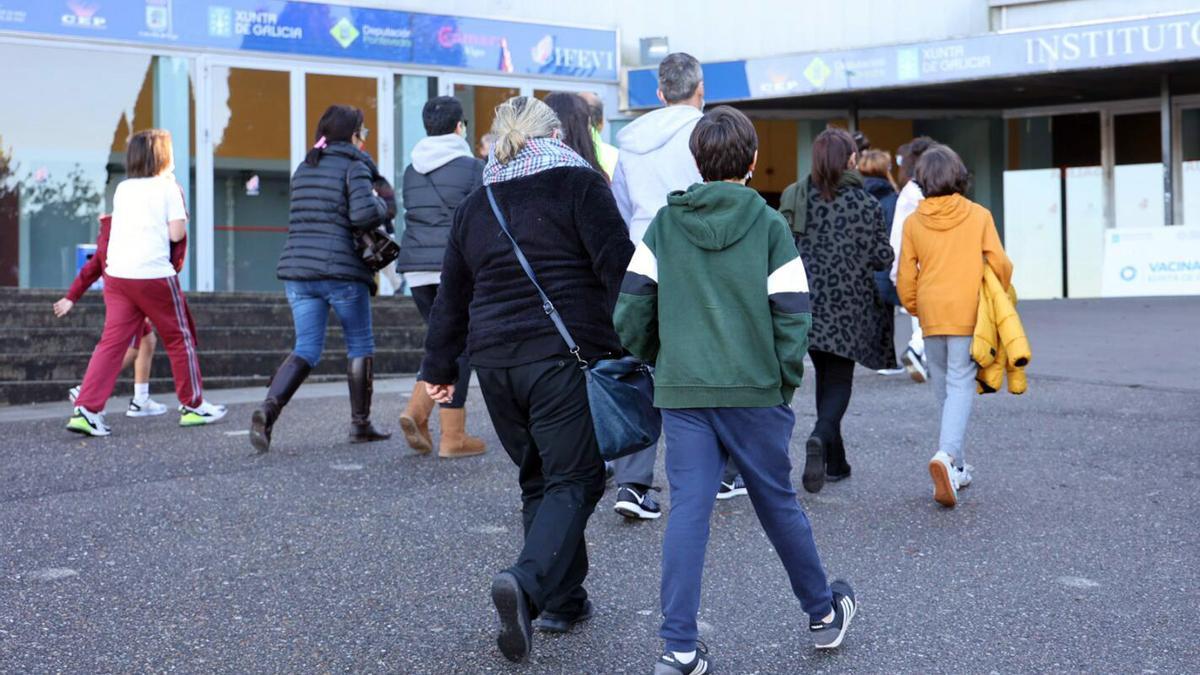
x=442, y=173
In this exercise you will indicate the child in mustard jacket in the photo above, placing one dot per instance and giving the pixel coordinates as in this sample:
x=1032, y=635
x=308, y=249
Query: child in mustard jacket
x=944, y=247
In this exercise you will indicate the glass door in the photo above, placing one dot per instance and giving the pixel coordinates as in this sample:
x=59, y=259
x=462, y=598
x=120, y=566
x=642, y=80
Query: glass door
x=479, y=98
x=258, y=119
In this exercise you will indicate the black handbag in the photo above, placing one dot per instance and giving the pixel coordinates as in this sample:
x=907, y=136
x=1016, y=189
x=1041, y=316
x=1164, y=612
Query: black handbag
x=375, y=246
x=620, y=391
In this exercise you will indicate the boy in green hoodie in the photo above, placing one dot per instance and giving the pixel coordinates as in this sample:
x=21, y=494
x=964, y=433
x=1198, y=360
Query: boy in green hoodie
x=717, y=297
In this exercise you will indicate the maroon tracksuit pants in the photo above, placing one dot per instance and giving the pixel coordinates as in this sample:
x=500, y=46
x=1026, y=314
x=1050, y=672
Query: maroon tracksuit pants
x=127, y=304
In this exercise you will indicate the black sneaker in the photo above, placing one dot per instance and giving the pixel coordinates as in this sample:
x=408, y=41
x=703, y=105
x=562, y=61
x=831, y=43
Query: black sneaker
x=734, y=488
x=669, y=665
x=830, y=635
x=554, y=622
x=635, y=502
x=516, y=634
x=814, y=464
x=915, y=364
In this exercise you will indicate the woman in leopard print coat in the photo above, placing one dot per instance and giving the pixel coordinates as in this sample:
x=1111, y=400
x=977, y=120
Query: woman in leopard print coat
x=842, y=240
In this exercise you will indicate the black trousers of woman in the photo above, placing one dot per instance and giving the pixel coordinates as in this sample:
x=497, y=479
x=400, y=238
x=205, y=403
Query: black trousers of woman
x=541, y=414
x=423, y=297
x=835, y=381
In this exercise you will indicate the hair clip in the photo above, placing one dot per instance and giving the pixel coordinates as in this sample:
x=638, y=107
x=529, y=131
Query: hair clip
x=320, y=144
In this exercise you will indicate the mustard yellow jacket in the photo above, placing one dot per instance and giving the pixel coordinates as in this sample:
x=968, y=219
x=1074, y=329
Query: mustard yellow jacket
x=999, y=345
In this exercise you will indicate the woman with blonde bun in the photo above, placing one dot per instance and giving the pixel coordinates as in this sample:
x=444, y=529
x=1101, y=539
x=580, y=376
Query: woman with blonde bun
x=561, y=213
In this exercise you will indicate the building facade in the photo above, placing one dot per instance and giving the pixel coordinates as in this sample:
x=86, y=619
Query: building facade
x=1079, y=119
x=240, y=84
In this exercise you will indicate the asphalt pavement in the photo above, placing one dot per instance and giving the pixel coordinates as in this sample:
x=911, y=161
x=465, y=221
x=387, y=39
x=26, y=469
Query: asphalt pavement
x=163, y=549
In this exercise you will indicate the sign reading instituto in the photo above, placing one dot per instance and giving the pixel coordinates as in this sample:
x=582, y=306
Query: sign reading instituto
x=1102, y=45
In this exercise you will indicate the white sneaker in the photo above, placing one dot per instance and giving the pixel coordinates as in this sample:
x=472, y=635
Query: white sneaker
x=892, y=371
x=945, y=479
x=146, y=407
x=964, y=475
x=72, y=394
x=205, y=413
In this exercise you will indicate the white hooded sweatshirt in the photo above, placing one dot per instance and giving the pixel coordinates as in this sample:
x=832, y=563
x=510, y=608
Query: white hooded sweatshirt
x=654, y=160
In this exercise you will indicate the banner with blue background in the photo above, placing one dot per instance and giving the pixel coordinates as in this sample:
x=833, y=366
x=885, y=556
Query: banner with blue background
x=336, y=31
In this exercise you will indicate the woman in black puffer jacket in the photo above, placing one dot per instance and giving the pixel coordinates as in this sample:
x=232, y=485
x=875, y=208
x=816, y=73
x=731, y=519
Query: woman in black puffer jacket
x=336, y=192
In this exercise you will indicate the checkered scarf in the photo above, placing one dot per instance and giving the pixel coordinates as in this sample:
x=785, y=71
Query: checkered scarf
x=539, y=154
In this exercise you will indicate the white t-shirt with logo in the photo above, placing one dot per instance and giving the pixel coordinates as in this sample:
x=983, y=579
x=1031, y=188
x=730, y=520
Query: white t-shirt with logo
x=139, y=243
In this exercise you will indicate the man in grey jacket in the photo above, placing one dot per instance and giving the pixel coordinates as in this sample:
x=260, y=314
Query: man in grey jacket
x=442, y=173
x=655, y=160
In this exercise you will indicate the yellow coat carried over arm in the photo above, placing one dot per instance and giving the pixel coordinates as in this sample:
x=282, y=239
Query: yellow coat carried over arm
x=1000, y=345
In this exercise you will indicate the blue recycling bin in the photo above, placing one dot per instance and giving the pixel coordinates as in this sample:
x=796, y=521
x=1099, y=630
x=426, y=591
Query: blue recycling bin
x=84, y=253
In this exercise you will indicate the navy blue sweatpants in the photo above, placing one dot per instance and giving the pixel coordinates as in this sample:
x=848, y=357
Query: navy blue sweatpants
x=699, y=441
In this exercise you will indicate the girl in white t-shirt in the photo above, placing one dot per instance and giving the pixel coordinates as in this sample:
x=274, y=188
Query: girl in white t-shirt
x=141, y=281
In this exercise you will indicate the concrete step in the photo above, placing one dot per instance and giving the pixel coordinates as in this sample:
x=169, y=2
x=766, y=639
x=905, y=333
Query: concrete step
x=242, y=338
x=161, y=388
x=219, y=338
x=387, y=312
x=240, y=363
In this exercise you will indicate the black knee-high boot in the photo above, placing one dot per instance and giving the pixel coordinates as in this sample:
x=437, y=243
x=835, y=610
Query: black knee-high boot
x=362, y=387
x=836, y=466
x=284, y=383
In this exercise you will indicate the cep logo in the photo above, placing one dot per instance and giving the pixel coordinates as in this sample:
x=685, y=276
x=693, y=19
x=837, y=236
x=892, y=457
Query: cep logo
x=84, y=15
x=1128, y=273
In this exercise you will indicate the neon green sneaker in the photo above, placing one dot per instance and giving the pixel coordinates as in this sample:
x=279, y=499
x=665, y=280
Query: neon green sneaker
x=88, y=423
x=205, y=413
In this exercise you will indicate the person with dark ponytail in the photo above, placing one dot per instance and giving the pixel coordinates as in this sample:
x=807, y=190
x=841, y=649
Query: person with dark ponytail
x=575, y=116
x=336, y=191
x=843, y=241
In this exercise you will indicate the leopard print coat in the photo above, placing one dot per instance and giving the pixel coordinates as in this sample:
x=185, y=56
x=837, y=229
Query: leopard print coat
x=843, y=244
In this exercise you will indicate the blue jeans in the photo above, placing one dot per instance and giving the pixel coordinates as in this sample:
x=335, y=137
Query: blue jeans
x=699, y=441
x=952, y=374
x=311, y=300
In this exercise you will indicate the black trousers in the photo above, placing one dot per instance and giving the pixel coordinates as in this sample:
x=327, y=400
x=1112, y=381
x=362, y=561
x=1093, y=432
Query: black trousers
x=835, y=380
x=540, y=412
x=423, y=297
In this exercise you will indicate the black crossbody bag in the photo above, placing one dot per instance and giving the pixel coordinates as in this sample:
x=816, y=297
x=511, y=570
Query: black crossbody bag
x=620, y=391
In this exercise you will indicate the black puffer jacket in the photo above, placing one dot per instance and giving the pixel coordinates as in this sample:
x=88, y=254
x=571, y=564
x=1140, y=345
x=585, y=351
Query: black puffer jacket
x=885, y=194
x=329, y=201
x=429, y=203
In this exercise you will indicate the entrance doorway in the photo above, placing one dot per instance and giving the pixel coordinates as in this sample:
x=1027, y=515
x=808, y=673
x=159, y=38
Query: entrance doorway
x=256, y=121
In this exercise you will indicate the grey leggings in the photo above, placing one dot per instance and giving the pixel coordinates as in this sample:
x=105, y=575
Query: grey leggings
x=952, y=374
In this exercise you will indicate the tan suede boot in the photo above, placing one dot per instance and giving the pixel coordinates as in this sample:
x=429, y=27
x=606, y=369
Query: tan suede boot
x=455, y=441
x=414, y=421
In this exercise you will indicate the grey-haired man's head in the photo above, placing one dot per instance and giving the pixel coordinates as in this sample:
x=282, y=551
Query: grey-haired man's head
x=681, y=81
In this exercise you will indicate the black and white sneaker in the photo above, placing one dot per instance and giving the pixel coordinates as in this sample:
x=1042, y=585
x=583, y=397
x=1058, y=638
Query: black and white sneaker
x=88, y=423
x=636, y=503
x=516, y=632
x=700, y=664
x=830, y=635
x=734, y=488
x=915, y=363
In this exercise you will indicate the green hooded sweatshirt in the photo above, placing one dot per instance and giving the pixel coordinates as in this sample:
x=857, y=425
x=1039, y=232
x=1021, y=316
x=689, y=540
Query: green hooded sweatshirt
x=717, y=298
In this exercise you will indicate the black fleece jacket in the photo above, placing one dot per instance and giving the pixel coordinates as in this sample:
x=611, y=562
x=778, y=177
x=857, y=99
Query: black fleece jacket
x=567, y=223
